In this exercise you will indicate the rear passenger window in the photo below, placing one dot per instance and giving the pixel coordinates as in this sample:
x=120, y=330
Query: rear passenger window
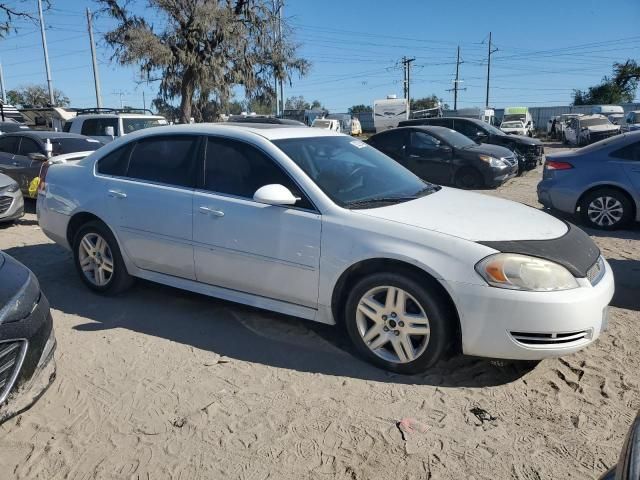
x=236, y=168
x=630, y=152
x=9, y=144
x=167, y=159
x=28, y=146
x=115, y=163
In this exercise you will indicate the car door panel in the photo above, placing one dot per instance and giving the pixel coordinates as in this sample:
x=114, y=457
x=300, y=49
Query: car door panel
x=261, y=249
x=154, y=218
x=9, y=164
x=427, y=160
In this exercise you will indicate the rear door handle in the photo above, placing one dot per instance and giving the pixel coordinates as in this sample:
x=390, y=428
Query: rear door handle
x=117, y=194
x=211, y=211
x=16, y=164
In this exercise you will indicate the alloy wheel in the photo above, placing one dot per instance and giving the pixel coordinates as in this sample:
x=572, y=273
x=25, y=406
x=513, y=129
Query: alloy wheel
x=393, y=324
x=605, y=211
x=96, y=259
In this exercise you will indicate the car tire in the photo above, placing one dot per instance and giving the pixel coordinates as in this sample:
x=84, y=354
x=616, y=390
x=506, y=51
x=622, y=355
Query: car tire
x=468, y=178
x=605, y=209
x=394, y=349
x=96, y=250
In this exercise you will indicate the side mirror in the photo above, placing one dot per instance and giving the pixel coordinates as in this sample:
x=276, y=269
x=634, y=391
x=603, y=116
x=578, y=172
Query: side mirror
x=274, y=194
x=109, y=131
x=38, y=157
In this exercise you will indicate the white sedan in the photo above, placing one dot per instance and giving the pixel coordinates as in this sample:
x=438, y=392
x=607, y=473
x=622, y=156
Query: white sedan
x=318, y=225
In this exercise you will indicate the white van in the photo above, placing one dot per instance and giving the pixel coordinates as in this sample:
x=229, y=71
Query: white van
x=389, y=112
x=327, y=124
x=519, y=114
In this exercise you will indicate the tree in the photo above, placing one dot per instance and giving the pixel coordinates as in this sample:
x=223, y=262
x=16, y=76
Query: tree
x=621, y=88
x=8, y=13
x=425, y=103
x=316, y=104
x=205, y=49
x=356, y=109
x=36, y=96
x=299, y=103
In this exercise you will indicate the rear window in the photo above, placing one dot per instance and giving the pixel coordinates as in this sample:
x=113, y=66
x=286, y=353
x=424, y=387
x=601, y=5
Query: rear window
x=71, y=145
x=130, y=125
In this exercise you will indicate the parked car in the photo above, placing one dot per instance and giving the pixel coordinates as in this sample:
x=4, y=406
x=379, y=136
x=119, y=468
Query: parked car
x=11, y=201
x=514, y=128
x=628, y=467
x=631, y=121
x=22, y=154
x=106, y=124
x=588, y=129
x=562, y=123
x=601, y=182
x=446, y=157
x=316, y=224
x=519, y=114
x=27, y=340
x=326, y=124
x=528, y=150
x=11, y=127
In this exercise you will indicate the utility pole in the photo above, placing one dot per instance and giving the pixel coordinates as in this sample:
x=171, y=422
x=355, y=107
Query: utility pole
x=490, y=51
x=96, y=76
x=144, y=102
x=406, y=64
x=456, y=82
x=46, y=54
x=280, y=7
x=2, y=92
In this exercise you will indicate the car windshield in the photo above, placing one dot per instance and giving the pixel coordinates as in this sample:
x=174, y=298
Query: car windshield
x=590, y=122
x=512, y=125
x=455, y=139
x=322, y=123
x=132, y=124
x=72, y=144
x=353, y=174
x=513, y=118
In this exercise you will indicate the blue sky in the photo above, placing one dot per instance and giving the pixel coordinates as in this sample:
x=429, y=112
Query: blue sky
x=545, y=50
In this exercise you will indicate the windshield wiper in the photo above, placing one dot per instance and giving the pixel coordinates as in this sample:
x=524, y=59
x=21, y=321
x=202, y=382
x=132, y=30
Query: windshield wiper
x=391, y=200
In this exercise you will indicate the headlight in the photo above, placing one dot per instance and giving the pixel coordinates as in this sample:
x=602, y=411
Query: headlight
x=494, y=162
x=10, y=188
x=521, y=272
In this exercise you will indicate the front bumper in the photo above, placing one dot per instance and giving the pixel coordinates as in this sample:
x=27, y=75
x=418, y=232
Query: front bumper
x=11, y=206
x=33, y=370
x=519, y=325
x=497, y=178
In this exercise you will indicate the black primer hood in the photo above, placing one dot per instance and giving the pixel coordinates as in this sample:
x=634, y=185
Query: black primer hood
x=575, y=250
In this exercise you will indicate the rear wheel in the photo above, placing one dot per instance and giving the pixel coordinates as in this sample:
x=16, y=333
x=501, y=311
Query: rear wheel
x=98, y=259
x=397, y=324
x=606, y=209
x=468, y=178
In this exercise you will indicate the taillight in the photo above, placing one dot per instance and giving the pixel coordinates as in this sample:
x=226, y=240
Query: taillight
x=555, y=165
x=44, y=168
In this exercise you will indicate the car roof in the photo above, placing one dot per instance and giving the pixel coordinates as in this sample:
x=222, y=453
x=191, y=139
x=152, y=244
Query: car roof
x=267, y=131
x=44, y=134
x=114, y=115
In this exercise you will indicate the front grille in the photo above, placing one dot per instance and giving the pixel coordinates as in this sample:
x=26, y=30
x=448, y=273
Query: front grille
x=511, y=161
x=597, y=136
x=5, y=203
x=11, y=356
x=596, y=271
x=550, y=339
x=533, y=152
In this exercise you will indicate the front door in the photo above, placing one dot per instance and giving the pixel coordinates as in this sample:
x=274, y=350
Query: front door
x=28, y=169
x=267, y=250
x=9, y=165
x=151, y=202
x=429, y=158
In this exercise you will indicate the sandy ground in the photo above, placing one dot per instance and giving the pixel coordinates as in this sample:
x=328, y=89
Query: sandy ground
x=160, y=383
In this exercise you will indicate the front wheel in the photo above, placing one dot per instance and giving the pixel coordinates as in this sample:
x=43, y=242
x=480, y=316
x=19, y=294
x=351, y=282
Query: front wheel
x=397, y=324
x=98, y=259
x=605, y=209
x=468, y=178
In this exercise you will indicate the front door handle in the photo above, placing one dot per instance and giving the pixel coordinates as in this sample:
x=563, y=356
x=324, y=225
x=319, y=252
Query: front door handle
x=117, y=194
x=16, y=164
x=211, y=211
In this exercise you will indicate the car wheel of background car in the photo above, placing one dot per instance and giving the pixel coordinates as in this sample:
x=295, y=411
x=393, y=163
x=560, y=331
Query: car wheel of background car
x=98, y=259
x=468, y=178
x=606, y=209
x=395, y=323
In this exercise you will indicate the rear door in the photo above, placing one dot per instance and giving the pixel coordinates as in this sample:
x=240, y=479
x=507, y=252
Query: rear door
x=427, y=159
x=629, y=158
x=27, y=169
x=150, y=201
x=392, y=143
x=9, y=165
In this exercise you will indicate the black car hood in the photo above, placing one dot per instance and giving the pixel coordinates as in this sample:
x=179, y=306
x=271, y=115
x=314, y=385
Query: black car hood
x=488, y=149
x=522, y=140
x=575, y=250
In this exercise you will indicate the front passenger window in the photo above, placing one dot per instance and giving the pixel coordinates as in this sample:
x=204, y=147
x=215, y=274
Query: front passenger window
x=235, y=168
